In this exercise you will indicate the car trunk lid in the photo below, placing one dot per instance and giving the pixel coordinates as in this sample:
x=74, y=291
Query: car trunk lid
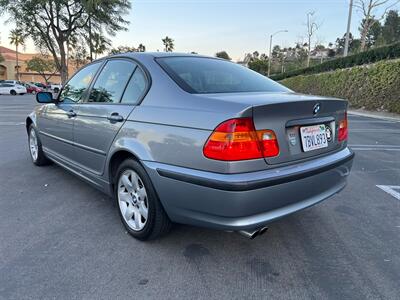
x=300, y=124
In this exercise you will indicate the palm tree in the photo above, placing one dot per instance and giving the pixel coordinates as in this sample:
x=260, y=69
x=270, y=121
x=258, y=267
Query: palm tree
x=17, y=38
x=168, y=44
x=141, y=48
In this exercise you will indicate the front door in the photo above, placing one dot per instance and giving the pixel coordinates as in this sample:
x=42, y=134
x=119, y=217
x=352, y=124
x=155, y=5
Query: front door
x=57, y=121
x=104, y=112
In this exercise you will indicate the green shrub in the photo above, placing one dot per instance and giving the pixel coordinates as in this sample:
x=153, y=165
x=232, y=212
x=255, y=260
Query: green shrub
x=367, y=57
x=373, y=87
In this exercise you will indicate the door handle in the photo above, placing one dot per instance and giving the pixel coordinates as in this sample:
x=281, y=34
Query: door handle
x=115, y=117
x=71, y=114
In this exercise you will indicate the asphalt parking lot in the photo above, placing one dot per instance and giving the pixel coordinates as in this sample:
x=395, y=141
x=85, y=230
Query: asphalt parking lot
x=60, y=238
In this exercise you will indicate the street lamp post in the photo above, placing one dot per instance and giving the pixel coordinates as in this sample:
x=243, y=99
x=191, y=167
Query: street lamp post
x=270, y=50
x=346, y=45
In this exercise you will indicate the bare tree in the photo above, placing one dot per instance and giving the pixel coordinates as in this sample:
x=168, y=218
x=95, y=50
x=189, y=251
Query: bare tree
x=369, y=10
x=312, y=28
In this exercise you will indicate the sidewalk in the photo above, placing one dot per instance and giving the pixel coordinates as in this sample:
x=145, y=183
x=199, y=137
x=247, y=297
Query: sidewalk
x=375, y=114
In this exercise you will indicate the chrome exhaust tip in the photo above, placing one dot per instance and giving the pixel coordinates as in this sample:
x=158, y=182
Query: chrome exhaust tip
x=253, y=233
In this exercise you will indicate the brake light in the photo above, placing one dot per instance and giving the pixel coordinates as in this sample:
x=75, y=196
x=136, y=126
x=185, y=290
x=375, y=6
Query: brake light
x=237, y=139
x=343, y=131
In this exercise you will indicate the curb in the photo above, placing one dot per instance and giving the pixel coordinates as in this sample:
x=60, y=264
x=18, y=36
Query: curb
x=375, y=115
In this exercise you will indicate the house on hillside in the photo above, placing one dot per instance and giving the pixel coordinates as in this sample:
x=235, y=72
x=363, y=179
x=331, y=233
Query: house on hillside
x=8, y=67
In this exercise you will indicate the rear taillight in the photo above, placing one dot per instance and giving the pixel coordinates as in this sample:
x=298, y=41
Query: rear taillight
x=343, y=131
x=237, y=139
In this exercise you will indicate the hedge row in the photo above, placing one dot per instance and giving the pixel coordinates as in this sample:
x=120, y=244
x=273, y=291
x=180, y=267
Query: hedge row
x=372, y=87
x=367, y=57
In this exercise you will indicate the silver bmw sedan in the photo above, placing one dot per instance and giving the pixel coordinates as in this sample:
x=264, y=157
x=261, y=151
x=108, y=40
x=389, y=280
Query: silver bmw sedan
x=194, y=140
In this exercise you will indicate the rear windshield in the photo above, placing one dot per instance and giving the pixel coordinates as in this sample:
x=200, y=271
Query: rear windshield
x=201, y=75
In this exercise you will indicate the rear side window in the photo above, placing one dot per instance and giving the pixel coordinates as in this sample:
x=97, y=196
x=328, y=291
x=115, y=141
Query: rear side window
x=112, y=81
x=136, y=87
x=74, y=90
x=201, y=75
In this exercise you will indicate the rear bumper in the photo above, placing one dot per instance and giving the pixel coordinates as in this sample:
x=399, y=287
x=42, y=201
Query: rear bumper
x=247, y=200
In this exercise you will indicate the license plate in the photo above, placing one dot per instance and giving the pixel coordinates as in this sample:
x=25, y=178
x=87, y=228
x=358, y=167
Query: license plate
x=313, y=137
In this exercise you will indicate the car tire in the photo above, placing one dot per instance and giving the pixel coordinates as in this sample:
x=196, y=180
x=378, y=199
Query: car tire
x=35, y=148
x=134, y=194
x=12, y=92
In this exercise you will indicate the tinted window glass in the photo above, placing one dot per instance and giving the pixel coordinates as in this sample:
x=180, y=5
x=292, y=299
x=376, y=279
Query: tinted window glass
x=75, y=89
x=135, y=88
x=112, y=81
x=207, y=75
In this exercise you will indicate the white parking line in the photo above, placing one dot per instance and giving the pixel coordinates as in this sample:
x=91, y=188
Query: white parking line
x=374, y=145
x=369, y=122
x=391, y=190
x=11, y=123
x=395, y=131
x=13, y=115
x=376, y=149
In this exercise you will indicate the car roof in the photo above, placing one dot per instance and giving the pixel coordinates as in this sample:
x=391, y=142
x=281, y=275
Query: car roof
x=157, y=54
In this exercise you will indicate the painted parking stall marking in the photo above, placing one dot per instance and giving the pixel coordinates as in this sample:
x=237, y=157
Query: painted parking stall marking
x=393, y=190
x=11, y=123
x=374, y=147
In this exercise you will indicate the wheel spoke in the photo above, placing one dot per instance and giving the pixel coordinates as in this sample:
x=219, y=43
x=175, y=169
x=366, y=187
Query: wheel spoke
x=129, y=213
x=125, y=197
x=135, y=180
x=142, y=193
x=138, y=219
x=143, y=209
x=126, y=182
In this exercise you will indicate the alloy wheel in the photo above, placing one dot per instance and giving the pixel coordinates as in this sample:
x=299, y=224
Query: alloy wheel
x=33, y=144
x=132, y=200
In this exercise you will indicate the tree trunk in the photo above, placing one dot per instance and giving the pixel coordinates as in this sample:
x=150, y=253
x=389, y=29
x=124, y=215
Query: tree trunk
x=364, y=33
x=90, y=39
x=16, y=55
x=63, y=63
x=363, y=38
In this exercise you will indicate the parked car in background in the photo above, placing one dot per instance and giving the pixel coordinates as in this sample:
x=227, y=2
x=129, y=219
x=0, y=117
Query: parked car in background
x=12, y=89
x=54, y=87
x=32, y=89
x=14, y=82
x=41, y=85
x=194, y=140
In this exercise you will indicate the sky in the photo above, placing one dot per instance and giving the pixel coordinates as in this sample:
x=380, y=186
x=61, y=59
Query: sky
x=236, y=26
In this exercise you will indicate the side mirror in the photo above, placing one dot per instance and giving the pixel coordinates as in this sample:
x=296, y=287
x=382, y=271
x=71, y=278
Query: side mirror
x=44, y=97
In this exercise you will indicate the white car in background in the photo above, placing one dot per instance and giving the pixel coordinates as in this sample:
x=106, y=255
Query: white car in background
x=55, y=87
x=12, y=89
x=13, y=82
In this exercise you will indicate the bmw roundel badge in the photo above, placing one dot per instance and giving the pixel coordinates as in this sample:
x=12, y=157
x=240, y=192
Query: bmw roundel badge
x=317, y=108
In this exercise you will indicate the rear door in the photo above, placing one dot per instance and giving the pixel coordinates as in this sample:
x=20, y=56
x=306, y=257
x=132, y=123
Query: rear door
x=111, y=99
x=56, y=123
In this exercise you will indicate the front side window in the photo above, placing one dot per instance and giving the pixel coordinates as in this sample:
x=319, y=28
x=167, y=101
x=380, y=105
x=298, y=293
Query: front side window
x=74, y=90
x=201, y=75
x=136, y=88
x=112, y=81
